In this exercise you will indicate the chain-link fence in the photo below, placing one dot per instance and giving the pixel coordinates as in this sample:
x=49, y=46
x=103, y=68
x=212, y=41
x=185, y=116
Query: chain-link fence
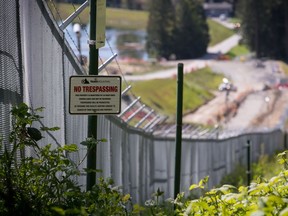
x=11, y=88
x=133, y=157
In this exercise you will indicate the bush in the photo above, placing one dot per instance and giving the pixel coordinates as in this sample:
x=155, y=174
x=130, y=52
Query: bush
x=236, y=178
x=262, y=197
x=43, y=185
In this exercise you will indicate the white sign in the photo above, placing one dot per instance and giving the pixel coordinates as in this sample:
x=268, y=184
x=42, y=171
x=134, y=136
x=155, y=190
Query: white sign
x=92, y=95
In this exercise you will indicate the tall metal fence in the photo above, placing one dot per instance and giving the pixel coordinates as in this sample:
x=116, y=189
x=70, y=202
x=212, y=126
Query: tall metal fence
x=142, y=163
x=134, y=158
x=11, y=84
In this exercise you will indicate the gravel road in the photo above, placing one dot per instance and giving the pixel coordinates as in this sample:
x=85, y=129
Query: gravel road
x=250, y=106
x=255, y=107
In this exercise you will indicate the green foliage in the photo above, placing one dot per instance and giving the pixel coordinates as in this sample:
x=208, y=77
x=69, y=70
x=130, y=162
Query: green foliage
x=263, y=197
x=182, y=32
x=237, y=51
x=266, y=167
x=237, y=177
x=217, y=32
x=45, y=183
x=160, y=29
x=191, y=31
x=157, y=206
x=264, y=25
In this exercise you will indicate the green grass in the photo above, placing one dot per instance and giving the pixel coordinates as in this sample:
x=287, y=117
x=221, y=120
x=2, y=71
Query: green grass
x=132, y=20
x=284, y=68
x=126, y=19
x=218, y=32
x=64, y=10
x=161, y=94
x=115, y=18
x=234, y=20
x=239, y=50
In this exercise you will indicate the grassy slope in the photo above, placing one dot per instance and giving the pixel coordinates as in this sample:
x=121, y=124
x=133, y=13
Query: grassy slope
x=162, y=93
x=115, y=18
x=239, y=50
x=218, y=32
x=126, y=19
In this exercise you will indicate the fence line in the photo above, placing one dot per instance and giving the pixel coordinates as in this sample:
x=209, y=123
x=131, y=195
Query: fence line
x=135, y=159
x=142, y=163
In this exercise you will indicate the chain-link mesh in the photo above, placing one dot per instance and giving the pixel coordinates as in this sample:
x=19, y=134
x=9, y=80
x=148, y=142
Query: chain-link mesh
x=11, y=86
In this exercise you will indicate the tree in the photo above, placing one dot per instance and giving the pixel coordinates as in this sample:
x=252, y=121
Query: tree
x=187, y=36
x=45, y=183
x=192, y=33
x=161, y=24
x=265, y=27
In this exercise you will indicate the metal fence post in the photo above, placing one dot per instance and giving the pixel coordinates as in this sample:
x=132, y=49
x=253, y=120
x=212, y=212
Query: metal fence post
x=178, y=130
x=248, y=163
x=92, y=120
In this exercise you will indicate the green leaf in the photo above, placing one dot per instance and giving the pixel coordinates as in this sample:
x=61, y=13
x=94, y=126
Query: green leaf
x=281, y=161
x=274, y=180
x=282, y=154
x=258, y=213
x=227, y=188
x=231, y=187
x=85, y=143
x=126, y=198
x=34, y=133
x=243, y=189
x=254, y=191
x=103, y=140
x=39, y=109
x=193, y=186
x=90, y=142
x=159, y=192
x=137, y=209
x=203, y=181
x=50, y=129
x=284, y=212
x=20, y=110
x=70, y=148
x=59, y=211
x=93, y=170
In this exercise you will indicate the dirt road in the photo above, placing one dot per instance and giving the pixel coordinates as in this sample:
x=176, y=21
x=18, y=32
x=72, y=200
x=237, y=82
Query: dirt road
x=250, y=106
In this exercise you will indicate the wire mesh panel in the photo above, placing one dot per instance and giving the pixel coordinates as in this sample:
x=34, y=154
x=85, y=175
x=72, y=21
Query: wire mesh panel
x=48, y=64
x=11, y=87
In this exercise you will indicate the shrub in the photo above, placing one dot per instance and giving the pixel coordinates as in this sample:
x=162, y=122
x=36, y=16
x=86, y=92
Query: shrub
x=262, y=197
x=43, y=185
